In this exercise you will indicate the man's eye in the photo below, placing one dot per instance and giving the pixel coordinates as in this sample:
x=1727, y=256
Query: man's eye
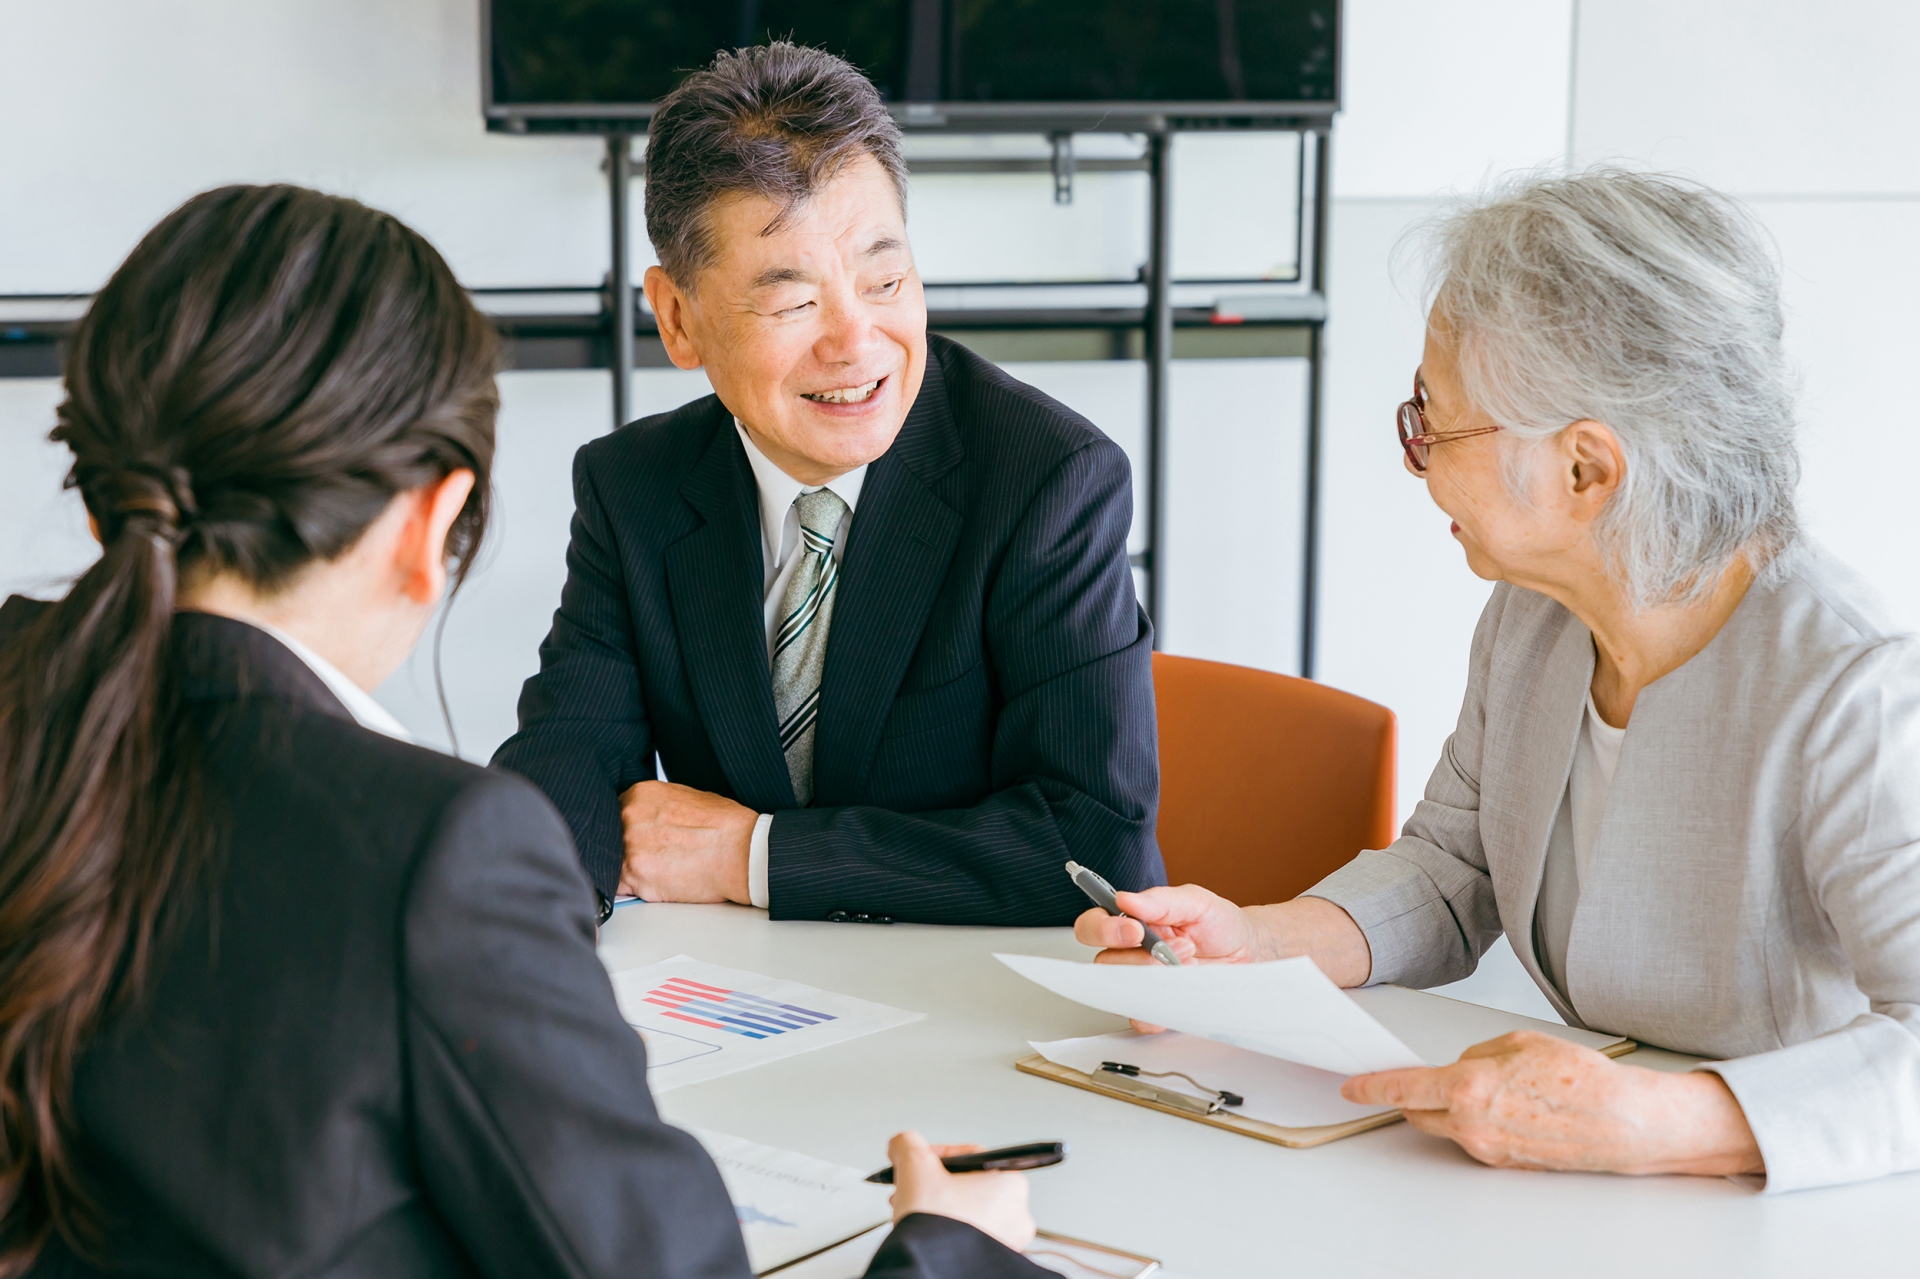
x=789, y=311
x=889, y=288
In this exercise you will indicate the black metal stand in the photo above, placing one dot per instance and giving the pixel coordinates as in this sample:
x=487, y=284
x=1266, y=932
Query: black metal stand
x=620, y=273
x=1316, y=377
x=1159, y=353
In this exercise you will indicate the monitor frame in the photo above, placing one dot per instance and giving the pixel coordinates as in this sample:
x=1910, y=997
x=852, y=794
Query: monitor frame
x=953, y=117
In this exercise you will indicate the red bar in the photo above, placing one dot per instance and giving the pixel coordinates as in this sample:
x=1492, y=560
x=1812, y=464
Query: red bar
x=710, y=1025
x=717, y=990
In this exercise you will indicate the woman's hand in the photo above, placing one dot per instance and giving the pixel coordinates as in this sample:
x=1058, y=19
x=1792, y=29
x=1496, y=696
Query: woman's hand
x=1207, y=928
x=1529, y=1100
x=993, y=1203
x=1202, y=927
x=1199, y=925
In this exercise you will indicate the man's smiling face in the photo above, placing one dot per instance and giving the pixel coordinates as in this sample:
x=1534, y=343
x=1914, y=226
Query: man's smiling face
x=814, y=334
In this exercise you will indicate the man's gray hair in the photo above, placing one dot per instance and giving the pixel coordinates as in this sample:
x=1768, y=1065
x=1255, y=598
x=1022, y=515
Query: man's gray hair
x=1651, y=305
x=778, y=121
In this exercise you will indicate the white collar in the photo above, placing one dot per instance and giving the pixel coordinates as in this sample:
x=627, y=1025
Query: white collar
x=359, y=703
x=778, y=489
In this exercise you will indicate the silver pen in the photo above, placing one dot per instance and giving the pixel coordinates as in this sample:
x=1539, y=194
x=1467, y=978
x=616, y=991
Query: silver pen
x=1102, y=894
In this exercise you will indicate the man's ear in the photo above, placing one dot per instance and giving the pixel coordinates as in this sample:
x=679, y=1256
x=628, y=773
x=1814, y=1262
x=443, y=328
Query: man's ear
x=670, y=316
x=1595, y=464
x=421, y=556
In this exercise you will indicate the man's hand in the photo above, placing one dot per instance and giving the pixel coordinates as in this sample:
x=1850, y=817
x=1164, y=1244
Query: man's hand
x=993, y=1203
x=1528, y=1100
x=684, y=845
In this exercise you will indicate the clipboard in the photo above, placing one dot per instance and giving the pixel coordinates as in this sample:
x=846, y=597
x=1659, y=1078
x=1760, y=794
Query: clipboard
x=1062, y=1254
x=1168, y=1102
x=1087, y=1259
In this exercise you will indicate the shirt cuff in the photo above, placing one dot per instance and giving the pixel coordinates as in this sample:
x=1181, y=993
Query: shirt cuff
x=1833, y=1109
x=757, y=861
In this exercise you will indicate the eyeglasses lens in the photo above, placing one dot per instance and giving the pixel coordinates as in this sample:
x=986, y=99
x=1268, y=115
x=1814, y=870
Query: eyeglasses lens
x=1410, y=427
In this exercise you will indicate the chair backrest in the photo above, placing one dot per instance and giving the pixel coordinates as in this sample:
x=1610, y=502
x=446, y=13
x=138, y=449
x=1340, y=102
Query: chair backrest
x=1267, y=782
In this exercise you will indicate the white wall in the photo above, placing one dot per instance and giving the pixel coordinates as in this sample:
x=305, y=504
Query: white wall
x=1441, y=98
x=129, y=107
x=43, y=529
x=1808, y=112
x=117, y=109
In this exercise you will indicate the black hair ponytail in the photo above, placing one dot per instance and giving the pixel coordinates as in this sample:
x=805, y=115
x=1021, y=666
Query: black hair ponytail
x=253, y=387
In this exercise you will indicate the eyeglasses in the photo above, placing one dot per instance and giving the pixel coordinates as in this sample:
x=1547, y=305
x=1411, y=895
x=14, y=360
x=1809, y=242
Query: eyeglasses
x=1415, y=438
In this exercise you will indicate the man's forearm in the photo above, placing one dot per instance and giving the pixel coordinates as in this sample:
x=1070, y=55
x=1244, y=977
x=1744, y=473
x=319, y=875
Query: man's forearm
x=685, y=845
x=996, y=863
x=1315, y=927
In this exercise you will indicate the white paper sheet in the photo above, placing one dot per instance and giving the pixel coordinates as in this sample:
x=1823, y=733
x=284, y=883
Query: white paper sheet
x=792, y=1205
x=1286, y=1009
x=701, y=1021
x=1277, y=1092
x=1440, y=1028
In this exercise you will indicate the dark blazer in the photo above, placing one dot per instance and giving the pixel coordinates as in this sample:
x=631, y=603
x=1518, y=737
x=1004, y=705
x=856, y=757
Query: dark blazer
x=987, y=708
x=381, y=1043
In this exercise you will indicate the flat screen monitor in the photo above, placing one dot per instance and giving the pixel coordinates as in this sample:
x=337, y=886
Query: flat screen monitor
x=1087, y=64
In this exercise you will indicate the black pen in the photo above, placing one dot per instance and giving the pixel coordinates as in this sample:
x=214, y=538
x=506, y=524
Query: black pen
x=1041, y=1154
x=1102, y=894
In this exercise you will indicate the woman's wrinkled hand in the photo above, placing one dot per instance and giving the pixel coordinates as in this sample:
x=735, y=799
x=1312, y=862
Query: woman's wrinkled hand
x=1199, y=925
x=994, y=1203
x=1528, y=1100
x=1202, y=927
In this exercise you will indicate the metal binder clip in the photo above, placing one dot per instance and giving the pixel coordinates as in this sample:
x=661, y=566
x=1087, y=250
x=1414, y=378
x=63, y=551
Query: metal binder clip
x=1127, y=1078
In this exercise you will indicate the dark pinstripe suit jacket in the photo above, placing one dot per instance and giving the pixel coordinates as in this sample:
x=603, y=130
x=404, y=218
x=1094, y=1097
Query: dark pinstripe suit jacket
x=987, y=708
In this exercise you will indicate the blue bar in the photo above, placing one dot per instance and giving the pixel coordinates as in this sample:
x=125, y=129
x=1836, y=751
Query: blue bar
x=721, y=1012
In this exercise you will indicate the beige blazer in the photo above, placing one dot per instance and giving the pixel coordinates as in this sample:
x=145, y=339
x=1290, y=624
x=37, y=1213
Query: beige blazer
x=1754, y=894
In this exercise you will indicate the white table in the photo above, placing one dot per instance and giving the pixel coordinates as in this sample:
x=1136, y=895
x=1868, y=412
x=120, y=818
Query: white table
x=1209, y=1203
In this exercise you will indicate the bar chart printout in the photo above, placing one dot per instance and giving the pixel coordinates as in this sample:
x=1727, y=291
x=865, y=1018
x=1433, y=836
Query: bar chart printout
x=700, y=1021
x=734, y=1011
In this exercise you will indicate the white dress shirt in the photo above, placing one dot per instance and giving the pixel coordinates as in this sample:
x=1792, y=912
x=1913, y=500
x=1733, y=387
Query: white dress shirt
x=779, y=536
x=359, y=703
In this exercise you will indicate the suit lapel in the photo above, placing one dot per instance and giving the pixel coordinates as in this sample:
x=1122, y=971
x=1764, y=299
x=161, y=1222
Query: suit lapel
x=713, y=578
x=1544, y=760
x=898, y=547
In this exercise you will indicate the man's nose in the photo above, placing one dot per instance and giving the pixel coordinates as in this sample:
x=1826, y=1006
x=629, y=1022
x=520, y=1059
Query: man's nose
x=847, y=330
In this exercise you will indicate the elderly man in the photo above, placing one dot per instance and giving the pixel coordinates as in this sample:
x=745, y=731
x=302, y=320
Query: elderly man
x=869, y=603
x=1686, y=777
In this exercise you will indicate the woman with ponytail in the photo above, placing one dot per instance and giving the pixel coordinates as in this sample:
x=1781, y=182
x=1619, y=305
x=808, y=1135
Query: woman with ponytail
x=280, y=992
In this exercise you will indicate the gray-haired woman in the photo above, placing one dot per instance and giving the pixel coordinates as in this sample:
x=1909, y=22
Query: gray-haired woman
x=1686, y=776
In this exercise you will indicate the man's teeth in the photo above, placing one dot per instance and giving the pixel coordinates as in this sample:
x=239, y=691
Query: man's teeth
x=846, y=394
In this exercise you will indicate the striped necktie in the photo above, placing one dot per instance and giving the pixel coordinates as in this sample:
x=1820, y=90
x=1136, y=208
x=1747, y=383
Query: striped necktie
x=800, y=645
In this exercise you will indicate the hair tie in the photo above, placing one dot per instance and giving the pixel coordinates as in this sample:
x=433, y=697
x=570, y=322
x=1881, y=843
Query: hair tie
x=161, y=496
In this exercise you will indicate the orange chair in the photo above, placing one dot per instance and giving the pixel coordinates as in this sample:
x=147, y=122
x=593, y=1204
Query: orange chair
x=1267, y=782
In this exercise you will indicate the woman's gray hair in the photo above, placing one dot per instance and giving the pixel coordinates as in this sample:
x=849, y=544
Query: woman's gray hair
x=1651, y=305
